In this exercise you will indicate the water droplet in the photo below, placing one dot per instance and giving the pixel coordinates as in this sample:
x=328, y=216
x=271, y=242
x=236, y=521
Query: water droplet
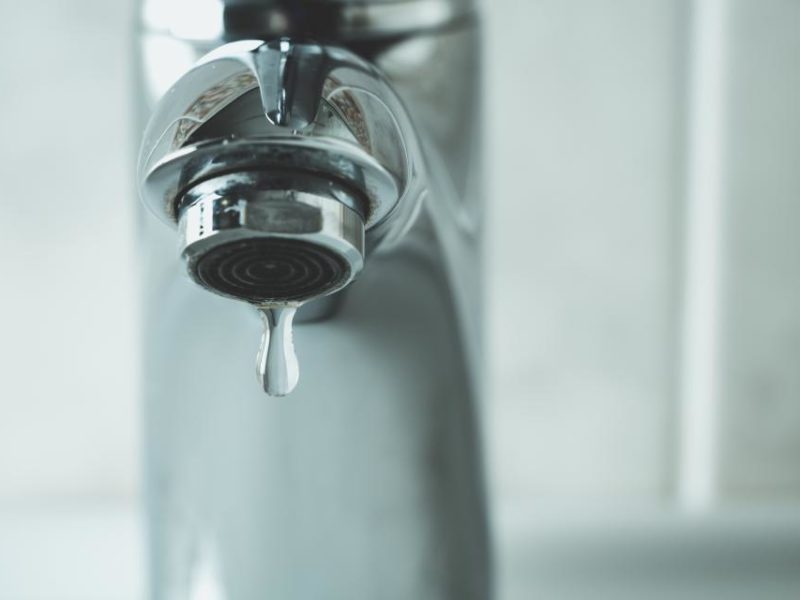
x=278, y=369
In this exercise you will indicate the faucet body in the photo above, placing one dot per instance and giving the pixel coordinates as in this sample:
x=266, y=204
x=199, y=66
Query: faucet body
x=367, y=481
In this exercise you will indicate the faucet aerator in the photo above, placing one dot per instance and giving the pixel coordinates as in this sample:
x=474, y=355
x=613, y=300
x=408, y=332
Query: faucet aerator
x=272, y=240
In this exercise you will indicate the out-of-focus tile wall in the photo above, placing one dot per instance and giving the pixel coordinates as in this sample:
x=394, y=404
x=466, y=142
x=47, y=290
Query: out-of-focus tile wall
x=68, y=322
x=760, y=439
x=590, y=108
x=585, y=114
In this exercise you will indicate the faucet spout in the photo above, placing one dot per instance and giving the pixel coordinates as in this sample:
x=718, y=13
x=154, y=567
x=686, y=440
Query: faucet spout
x=282, y=165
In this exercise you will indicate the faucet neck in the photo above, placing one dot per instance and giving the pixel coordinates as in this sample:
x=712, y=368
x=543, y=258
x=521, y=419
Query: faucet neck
x=324, y=21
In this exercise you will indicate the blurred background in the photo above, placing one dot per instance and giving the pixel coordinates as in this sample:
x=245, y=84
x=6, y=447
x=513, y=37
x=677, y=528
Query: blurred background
x=643, y=421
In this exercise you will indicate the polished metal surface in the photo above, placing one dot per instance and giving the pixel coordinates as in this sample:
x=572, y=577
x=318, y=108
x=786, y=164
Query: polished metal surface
x=241, y=208
x=321, y=110
x=367, y=481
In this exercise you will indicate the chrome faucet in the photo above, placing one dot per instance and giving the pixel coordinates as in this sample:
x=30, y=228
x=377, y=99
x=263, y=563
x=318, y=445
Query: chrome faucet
x=321, y=163
x=275, y=159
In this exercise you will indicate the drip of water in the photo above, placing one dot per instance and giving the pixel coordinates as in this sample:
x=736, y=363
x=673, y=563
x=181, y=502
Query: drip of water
x=278, y=369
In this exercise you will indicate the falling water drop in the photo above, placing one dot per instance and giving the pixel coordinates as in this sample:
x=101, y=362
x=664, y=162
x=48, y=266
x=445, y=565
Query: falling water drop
x=278, y=369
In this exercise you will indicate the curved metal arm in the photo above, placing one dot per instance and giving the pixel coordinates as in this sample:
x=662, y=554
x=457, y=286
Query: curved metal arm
x=322, y=109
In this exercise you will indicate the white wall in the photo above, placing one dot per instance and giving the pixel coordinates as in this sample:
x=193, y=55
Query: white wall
x=68, y=361
x=585, y=110
x=760, y=439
